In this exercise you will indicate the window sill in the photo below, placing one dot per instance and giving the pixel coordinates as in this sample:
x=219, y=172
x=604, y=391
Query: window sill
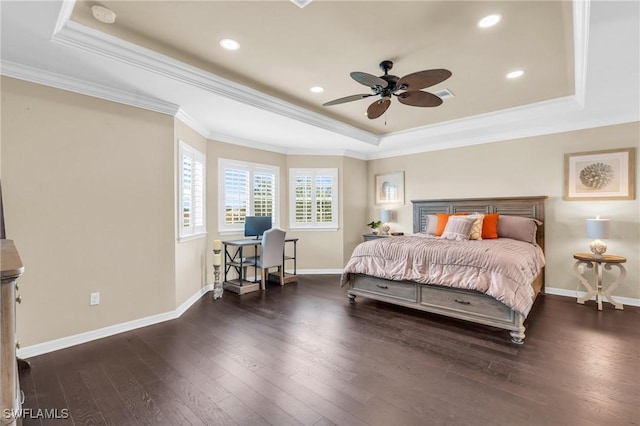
x=232, y=232
x=192, y=237
x=312, y=228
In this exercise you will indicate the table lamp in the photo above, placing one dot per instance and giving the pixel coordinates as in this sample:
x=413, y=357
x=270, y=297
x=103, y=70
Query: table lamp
x=598, y=228
x=386, y=216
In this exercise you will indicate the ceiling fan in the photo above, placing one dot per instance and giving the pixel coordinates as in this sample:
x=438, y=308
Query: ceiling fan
x=387, y=85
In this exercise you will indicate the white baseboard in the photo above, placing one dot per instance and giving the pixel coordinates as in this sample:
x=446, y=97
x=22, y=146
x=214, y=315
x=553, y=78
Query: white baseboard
x=318, y=271
x=575, y=294
x=65, y=342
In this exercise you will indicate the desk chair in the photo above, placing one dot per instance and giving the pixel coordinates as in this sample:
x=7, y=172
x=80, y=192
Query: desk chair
x=271, y=255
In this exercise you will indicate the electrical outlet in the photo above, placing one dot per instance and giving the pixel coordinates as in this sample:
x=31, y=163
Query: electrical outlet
x=581, y=269
x=95, y=299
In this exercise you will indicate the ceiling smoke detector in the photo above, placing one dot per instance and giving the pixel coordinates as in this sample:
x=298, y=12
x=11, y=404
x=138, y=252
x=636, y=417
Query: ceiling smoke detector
x=103, y=14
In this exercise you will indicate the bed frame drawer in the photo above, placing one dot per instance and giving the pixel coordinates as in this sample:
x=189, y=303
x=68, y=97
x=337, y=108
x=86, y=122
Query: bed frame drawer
x=396, y=290
x=476, y=304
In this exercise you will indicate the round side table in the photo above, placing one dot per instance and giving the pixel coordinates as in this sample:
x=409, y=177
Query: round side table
x=597, y=263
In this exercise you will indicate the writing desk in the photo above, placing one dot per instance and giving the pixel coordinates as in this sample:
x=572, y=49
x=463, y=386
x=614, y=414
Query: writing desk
x=235, y=257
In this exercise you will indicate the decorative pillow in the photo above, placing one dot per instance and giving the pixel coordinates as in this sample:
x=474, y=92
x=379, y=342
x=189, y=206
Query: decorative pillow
x=431, y=224
x=458, y=228
x=518, y=228
x=476, y=229
x=490, y=226
x=442, y=221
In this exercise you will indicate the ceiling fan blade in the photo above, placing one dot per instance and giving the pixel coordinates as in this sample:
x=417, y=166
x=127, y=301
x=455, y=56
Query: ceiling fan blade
x=378, y=108
x=421, y=79
x=346, y=99
x=368, y=79
x=419, y=99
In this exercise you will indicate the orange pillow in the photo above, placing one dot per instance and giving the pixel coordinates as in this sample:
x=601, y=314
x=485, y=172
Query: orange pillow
x=489, y=226
x=443, y=218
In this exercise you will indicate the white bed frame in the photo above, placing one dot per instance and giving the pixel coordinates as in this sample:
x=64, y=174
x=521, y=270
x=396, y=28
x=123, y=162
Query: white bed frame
x=457, y=303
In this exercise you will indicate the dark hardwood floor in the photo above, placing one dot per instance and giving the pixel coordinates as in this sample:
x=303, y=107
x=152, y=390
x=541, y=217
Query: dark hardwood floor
x=301, y=354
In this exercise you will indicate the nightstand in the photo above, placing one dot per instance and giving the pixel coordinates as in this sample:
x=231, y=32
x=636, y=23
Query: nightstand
x=606, y=261
x=369, y=237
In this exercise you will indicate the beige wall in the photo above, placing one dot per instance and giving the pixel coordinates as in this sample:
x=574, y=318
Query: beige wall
x=319, y=249
x=217, y=150
x=354, y=205
x=88, y=196
x=531, y=166
x=90, y=199
x=191, y=262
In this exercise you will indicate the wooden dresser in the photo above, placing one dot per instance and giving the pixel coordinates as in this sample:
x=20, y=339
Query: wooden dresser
x=12, y=269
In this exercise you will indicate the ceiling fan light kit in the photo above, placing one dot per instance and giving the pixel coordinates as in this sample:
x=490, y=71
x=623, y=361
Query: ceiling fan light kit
x=407, y=89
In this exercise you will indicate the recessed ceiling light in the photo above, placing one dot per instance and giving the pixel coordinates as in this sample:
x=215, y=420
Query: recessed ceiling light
x=103, y=14
x=515, y=74
x=317, y=89
x=229, y=44
x=489, y=21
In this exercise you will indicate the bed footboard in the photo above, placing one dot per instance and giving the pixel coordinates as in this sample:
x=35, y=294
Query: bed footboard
x=456, y=303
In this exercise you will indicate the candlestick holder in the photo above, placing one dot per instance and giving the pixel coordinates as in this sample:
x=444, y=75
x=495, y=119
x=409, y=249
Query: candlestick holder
x=217, y=283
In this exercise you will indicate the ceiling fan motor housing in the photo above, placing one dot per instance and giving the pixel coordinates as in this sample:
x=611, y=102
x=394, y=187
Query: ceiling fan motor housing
x=391, y=83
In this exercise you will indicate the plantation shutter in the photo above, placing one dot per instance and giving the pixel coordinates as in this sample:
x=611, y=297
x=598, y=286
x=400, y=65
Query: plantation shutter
x=263, y=193
x=236, y=195
x=248, y=189
x=314, y=197
x=191, y=217
x=324, y=199
x=303, y=199
x=187, y=191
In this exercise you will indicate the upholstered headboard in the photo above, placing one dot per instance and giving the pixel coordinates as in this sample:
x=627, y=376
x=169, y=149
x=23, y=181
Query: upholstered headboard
x=515, y=206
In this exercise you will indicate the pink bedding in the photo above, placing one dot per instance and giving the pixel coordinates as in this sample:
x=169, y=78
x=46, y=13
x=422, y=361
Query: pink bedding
x=502, y=268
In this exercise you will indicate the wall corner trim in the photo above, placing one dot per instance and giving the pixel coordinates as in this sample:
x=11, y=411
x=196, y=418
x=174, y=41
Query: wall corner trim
x=77, y=339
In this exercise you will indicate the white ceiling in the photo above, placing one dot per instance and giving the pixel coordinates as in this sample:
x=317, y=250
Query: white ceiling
x=286, y=50
x=593, y=83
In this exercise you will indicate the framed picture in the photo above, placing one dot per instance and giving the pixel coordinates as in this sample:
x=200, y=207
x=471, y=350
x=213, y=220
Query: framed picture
x=600, y=175
x=390, y=188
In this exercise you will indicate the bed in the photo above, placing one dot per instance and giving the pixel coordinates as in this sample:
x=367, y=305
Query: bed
x=459, y=279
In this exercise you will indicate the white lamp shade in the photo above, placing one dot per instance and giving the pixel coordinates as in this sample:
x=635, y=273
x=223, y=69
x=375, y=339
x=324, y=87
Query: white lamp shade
x=386, y=215
x=598, y=228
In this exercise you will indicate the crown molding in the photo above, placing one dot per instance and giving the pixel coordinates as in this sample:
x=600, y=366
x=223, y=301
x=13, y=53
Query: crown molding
x=331, y=152
x=64, y=15
x=47, y=78
x=581, y=14
x=556, y=115
x=221, y=137
x=194, y=124
x=79, y=36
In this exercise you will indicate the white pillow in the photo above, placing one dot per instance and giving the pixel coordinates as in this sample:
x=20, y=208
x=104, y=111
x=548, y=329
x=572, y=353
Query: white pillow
x=476, y=229
x=458, y=228
x=431, y=223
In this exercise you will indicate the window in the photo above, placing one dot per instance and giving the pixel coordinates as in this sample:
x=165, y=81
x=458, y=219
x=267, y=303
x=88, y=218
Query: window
x=191, y=210
x=314, y=198
x=246, y=189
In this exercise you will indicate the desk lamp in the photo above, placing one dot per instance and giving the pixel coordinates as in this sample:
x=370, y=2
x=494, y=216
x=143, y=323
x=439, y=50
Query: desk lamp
x=598, y=228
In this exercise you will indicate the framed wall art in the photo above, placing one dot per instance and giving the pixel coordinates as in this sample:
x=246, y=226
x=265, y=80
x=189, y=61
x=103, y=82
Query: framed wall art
x=600, y=175
x=390, y=188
